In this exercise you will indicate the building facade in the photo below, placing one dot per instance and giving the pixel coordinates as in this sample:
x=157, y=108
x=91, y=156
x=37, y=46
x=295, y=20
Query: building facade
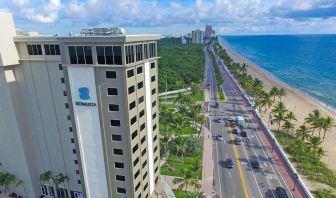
x=82, y=106
x=208, y=32
x=197, y=36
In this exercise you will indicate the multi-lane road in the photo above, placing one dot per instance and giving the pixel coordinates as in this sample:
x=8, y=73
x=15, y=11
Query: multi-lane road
x=242, y=180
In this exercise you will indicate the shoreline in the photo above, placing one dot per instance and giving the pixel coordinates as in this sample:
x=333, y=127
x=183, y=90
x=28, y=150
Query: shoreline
x=296, y=100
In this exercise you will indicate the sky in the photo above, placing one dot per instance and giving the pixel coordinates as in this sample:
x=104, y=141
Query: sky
x=228, y=17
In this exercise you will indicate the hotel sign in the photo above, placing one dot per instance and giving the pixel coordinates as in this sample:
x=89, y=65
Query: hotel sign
x=84, y=94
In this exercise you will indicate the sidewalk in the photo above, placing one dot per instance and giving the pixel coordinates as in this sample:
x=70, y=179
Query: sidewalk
x=207, y=163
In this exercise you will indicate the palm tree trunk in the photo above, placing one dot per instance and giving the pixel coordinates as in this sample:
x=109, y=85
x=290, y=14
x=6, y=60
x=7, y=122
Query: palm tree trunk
x=324, y=133
x=313, y=131
x=279, y=127
x=320, y=133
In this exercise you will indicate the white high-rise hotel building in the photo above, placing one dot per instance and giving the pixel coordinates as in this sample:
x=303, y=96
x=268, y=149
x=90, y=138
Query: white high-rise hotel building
x=83, y=106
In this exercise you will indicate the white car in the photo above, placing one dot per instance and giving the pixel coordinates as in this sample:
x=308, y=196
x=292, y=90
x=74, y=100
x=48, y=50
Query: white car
x=219, y=120
x=220, y=138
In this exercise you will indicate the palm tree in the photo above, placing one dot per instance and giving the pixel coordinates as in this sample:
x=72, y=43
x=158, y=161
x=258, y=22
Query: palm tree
x=274, y=92
x=298, y=147
x=279, y=107
x=166, y=137
x=60, y=178
x=197, y=167
x=313, y=119
x=290, y=116
x=314, y=143
x=257, y=87
x=328, y=124
x=186, y=180
x=180, y=147
x=195, y=89
x=195, y=194
x=6, y=179
x=179, y=98
x=320, y=124
x=179, y=122
x=320, y=153
x=303, y=132
x=266, y=100
x=281, y=92
x=288, y=126
x=166, y=116
x=278, y=118
x=201, y=120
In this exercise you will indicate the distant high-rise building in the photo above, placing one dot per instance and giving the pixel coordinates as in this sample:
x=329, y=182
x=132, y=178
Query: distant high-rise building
x=197, y=36
x=208, y=32
x=85, y=106
x=183, y=40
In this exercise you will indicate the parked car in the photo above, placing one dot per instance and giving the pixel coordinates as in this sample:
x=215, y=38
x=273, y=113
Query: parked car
x=229, y=163
x=220, y=138
x=243, y=134
x=281, y=192
x=235, y=130
x=237, y=141
x=219, y=120
x=255, y=164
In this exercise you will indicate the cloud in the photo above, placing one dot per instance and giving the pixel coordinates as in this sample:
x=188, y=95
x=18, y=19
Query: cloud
x=45, y=13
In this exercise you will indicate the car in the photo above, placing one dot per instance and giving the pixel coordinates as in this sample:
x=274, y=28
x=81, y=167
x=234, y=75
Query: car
x=229, y=163
x=281, y=192
x=235, y=130
x=220, y=138
x=232, y=124
x=219, y=120
x=237, y=141
x=243, y=134
x=255, y=164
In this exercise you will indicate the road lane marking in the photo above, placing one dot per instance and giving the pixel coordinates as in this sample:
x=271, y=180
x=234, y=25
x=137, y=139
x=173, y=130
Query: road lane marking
x=239, y=167
x=219, y=182
x=226, y=155
x=229, y=174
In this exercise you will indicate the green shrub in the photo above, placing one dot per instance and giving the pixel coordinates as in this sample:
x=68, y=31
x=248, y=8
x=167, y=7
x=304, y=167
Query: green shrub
x=194, y=145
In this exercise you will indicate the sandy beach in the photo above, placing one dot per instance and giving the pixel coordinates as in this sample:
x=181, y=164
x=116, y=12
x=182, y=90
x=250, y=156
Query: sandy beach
x=296, y=101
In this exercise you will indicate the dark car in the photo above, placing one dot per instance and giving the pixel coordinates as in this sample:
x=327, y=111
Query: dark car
x=243, y=134
x=237, y=141
x=229, y=163
x=235, y=130
x=255, y=164
x=281, y=192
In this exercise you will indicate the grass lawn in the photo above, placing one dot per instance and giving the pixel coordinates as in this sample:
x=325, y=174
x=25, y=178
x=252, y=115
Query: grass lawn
x=221, y=96
x=179, y=193
x=175, y=161
x=200, y=96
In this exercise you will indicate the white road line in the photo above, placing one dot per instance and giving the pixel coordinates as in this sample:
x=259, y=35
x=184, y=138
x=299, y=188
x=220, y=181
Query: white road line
x=226, y=155
x=219, y=182
x=229, y=174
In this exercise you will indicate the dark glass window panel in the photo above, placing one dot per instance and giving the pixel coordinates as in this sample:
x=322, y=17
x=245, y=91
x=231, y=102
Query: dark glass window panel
x=134, y=134
x=154, y=127
x=130, y=73
x=112, y=91
x=52, y=49
x=135, y=148
x=121, y=190
x=111, y=74
x=39, y=50
x=120, y=178
x=139, y=70
x=116, y=137
x=115, y=122
x=30, y=50
x=133, y=120
x=138, y=185
x=34, y=49
x=100, y=55
x=80, y=54
x=146, y=51
x=145, y=175
x=117, y=55
x=152, y=65
x=118, y=151
x=47, y=49
x=119, y=165
x=154, y=104
x=136, y=161
x=131, y=89
x=153, y=91
x=142, y=127
x=132, y=53
x=143, y=139
x=141, y=99
x=142, y=113
x=113, y=107
x=72, y=55
x=109, y=55
x=140, y=85
x=57, y=50
x=142, y=154
x=88, y=55
x=132, y=105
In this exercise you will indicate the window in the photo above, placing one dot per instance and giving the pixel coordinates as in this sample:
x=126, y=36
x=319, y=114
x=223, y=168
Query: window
x=145, y=187
x=79, y=182
x=80, y=54
x=138, y=51
x=132, y=105
x=117, y=55
x=60, y=67
x=136, y=161
x=72, y=140
x=145, y=175
x=152, y=65
x=131, y=89
x=154, y=127
x=137, y=186
x=133, y=120
x=115, y=122
x=134, y=134
x=120, y=178
x=142, y=154
x=66, y=105
x=156, y=159
x=146, y=51
x=44, y=190
x=77, y=172
x=144, y=164
x=100, y=55
x=118, y=151
x=140, y=85
x=142, y=127
x=139, y=70
x=70, y=129
x=152, y=50
x=118, y=165
x=116, y=138
x=143, y=139
x=155, y=138
x=156, y=170
x=75, y=161
x=135, y=148
x=68, y=117
x=113, y=107
x=154, y=116
x=121, y=190
x=136, y=174
x=130, y=73
x=142, y=113
x=141, y=99
x=153, y=78
x=153, y=104
x=112, y=91
x=62, y=80
x=155, y=149
x=153, y=91
x=111, y=74
x=34, y=49
x=64, y=93
x=51, y=50
x=74, y=151
x=129, y=53
x=109, y=55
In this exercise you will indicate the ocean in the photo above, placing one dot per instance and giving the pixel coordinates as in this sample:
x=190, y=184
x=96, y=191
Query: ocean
x=306, y=62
